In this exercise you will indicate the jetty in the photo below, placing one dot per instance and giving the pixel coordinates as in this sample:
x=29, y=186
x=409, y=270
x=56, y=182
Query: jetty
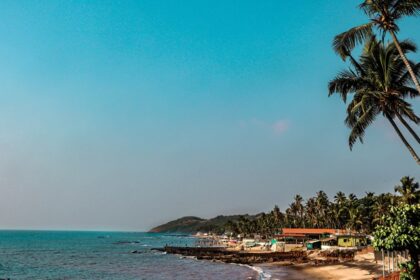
x=234, y=256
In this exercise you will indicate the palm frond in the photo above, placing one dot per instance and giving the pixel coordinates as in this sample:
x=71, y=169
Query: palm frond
x=406, y=45
x=406, y=78
x=345, y=83
x=360, y=126
x=345, y=42
x=370, y=7
x=406, y=8
x=404, y=109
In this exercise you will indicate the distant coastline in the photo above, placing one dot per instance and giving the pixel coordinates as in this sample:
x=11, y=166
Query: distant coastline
x=192, y=225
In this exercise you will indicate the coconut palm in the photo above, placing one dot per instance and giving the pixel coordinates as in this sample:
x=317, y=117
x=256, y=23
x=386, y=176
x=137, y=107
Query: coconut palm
x=341, y=209
x=323, y=205
x=278, y=217
x=311, y=213
x=367, y=203
x=379, y=84
x=340, y=198
x=409, y=190
x=296, y=211
x=383, y=15
x=381, y=207
x=352, y=200
x=355, y=220
x=300, y=209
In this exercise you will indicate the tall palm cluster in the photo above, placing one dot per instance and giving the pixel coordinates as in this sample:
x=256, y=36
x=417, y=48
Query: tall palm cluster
x=342, y=212
x=382, y=80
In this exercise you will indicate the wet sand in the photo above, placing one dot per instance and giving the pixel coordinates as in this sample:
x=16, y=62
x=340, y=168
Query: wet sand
x=355, y=270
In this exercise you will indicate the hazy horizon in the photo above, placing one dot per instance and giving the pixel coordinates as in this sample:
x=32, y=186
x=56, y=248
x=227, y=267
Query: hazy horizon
x=123, y=117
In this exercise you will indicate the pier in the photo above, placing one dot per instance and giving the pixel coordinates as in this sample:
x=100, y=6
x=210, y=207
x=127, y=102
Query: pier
x=231, y=256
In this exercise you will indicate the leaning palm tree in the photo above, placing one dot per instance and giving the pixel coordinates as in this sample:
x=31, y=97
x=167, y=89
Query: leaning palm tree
x=379, y=83
x=383, y=15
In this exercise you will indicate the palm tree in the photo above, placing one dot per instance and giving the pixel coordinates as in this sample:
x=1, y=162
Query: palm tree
x=367, y=203
x=381, y=207
x=323, y=205
x=409, y=190
x=340, y=198
x=278, y=218
x=379, y=82
x=311, y=213
x=245, y=226
x=295, y=212
x=341, y=210
x=383, y=15
x=352, y=199
x=355, y=220
x=298, y=203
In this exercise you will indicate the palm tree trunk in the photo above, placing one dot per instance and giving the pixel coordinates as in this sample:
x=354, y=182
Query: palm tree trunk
x=404, y=58
x=413, y=153
x=408, y=128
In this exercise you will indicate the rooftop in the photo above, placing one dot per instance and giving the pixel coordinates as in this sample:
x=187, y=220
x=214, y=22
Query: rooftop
x=302, y=231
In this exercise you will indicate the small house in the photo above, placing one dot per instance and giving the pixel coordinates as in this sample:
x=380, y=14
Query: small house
x=313, y=245
x=328, y=243
x=351, y=240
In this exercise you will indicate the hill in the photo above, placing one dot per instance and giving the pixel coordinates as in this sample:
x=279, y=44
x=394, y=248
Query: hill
x=192, y=225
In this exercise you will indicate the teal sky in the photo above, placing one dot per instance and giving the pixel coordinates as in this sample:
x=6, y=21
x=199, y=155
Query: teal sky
x=125, y=114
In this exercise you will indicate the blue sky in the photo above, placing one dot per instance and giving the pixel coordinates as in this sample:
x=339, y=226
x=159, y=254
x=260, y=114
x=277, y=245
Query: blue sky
x=124, y=114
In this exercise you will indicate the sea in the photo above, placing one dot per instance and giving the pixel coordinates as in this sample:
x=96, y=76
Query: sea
x=107, y=255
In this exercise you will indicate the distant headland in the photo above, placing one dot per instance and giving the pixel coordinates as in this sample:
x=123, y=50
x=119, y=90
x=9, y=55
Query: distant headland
x=193, y=225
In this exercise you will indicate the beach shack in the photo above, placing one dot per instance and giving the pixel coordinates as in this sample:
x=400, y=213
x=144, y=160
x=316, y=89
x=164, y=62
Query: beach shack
x=351, y=240
x=301, y=235
x=313, y=245
x=328, y=243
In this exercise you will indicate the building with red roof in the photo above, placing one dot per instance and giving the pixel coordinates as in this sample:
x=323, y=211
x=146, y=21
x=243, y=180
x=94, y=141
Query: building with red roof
x=304, y=234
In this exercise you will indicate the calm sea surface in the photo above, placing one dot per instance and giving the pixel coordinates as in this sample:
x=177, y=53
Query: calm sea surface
x=104, y=255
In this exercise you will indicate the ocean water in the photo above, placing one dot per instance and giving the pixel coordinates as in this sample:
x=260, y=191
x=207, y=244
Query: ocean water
x=105, y=255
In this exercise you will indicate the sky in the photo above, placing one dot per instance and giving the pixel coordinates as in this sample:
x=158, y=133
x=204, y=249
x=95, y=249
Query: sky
x=121, y=115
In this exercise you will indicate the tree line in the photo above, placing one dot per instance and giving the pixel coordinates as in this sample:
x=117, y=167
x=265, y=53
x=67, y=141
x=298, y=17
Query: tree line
x=343, y=211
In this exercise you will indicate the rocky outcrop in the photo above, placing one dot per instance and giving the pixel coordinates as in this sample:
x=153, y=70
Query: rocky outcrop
x=241, y=257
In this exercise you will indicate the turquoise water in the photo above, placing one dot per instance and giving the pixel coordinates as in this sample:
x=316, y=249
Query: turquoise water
x=104, y=255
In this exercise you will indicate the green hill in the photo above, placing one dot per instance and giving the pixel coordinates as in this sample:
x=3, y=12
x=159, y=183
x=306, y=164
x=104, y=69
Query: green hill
x=192, y=225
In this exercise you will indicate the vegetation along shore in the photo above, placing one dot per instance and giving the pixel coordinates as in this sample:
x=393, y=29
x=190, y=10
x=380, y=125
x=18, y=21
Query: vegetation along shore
x=314, y=235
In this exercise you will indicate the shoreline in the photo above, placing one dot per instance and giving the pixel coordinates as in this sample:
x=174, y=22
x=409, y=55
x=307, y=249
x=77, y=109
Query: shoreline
x=289, y=265
x=348, y=270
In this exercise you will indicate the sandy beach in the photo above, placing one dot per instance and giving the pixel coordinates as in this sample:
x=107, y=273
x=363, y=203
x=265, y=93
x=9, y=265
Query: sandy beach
x=344, y=271
x=363, y=267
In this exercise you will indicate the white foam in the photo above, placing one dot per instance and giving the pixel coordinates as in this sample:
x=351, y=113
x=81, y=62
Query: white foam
x=262, y=275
